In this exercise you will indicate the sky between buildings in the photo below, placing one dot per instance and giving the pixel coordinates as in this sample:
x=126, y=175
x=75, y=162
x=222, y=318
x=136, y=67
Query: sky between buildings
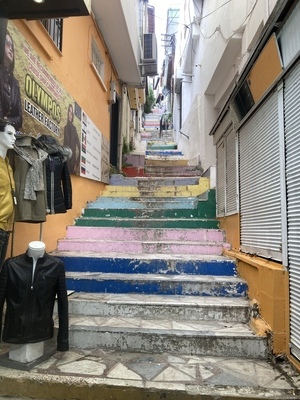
x=161, y=8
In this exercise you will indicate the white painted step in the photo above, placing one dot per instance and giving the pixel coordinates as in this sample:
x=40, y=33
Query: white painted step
x=190, y=308
x=215, y=338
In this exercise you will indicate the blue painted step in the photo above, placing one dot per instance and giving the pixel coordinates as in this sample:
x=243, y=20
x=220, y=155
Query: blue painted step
x=192, y=275
x=164, y=153
x=210, y=265
x=157, y=284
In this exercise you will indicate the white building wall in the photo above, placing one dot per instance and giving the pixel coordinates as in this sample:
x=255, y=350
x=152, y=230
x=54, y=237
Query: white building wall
x=223, y=37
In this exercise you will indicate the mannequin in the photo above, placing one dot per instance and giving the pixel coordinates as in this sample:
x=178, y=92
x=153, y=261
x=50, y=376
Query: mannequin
x=36, y=250
x=7, y=186
x=25, y=353
x=30, y=285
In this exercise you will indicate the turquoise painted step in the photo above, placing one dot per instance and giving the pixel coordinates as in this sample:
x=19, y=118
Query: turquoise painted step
x=205, y=208
x=161, y=146
x=142, y=203
x=149, y=223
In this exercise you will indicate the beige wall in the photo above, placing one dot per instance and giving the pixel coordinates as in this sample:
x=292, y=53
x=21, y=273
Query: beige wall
x=72, y=68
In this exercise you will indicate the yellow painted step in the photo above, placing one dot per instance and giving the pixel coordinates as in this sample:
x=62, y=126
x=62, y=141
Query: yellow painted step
x=166, y=162
x=162, y=191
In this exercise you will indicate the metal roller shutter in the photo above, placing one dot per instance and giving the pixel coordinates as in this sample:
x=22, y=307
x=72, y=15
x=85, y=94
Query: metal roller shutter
x=292, y=143
x=231, y=173
x=226, y=175
x=221, y=179
x=260, y=189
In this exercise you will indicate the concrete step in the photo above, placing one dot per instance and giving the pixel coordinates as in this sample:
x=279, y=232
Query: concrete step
x=142, y=203
x=203, y=201
x=194, y=223
x=158, y=187
x=164, y=264
x=127, y=234
x=134, y=160
x=209, y=338
x=203, y=211
x=143, y=240
x=167, y=181
x=189, y=285
x=159, y=169
x=121, y=180
x=164, y=153
x=162, y=146
x=181, y=308
x=84, y=374
x=165, y=161
x=142, y=247
x=163, y=191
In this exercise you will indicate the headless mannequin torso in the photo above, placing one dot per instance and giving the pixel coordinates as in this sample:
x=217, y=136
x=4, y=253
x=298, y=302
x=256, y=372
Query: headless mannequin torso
x=29, y=352
x=35, y=251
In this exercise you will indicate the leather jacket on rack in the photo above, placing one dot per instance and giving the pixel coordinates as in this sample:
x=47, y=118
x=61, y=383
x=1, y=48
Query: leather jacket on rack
x=30, y=300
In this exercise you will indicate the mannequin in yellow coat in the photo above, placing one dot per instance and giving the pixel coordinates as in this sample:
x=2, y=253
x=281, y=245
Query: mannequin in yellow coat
x=7, y=186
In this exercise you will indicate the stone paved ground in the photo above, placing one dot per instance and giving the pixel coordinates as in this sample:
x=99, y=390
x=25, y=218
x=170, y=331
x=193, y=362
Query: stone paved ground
x=171, y=374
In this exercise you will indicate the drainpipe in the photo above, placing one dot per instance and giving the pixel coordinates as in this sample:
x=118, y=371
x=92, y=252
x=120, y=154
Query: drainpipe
x=122, y=126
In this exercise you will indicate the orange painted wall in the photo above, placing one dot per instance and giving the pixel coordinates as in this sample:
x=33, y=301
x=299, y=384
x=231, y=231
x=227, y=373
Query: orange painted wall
x=73, y=70
x=265, y=70
x=231, y=225
x=268, y=285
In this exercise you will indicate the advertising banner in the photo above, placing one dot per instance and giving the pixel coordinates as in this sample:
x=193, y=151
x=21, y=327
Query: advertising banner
x=37, y=104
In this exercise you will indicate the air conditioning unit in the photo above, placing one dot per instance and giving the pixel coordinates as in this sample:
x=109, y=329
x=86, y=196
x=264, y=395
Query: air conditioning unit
x=150, y=48
x=149, y=69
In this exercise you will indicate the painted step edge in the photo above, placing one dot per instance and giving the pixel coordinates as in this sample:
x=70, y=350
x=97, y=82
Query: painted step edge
x=161, y=307
x=165, y=264
x=190, y=285
x=79, y=232
x=221, y=344
x=140, y=247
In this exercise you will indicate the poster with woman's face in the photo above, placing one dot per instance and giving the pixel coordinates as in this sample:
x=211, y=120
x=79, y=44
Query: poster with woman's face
x=33, y=99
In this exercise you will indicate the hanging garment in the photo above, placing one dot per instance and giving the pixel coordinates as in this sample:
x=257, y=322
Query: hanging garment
x=30, y=300
x=27, y=161
x=59, y=187
x=7, y=189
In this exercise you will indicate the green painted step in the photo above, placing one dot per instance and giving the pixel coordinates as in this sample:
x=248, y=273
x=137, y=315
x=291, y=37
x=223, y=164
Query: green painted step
x=195, y=223
x=200, y=212
x=162, y=146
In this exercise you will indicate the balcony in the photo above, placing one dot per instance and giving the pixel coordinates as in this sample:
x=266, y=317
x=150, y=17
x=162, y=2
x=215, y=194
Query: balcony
x=118, y=23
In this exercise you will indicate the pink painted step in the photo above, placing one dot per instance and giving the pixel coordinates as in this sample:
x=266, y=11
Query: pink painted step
x=141, y=247
x=127, y=234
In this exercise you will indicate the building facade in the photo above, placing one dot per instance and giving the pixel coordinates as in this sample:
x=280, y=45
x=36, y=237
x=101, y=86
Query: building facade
x=80, y=76
x=237, y=70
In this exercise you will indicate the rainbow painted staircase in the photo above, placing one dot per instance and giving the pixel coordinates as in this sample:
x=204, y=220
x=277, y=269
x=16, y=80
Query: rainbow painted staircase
x=145, y=263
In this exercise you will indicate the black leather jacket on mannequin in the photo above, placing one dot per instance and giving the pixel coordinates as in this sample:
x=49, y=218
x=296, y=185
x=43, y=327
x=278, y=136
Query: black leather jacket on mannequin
x=30, y=300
